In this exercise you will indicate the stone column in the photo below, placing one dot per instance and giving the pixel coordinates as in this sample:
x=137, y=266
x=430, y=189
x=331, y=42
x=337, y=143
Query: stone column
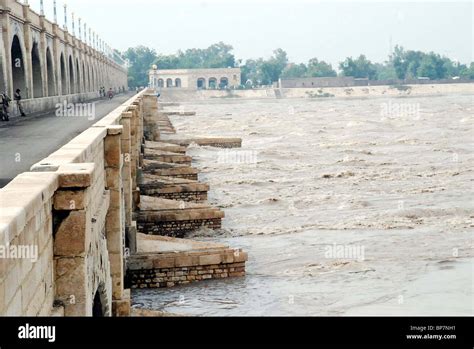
x=115, y=229
x=150, y=113
x=57, y=61
x=28, y=65
x=134, y=157
x=6, y=31
x=44, y=64
x=72, y=240
x=126, y=143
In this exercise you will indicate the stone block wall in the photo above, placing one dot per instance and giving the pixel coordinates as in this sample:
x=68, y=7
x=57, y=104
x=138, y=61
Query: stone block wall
x=187, y=196
x=171, y=269
x=26, y=230
x=73, y=210
x=178, y=228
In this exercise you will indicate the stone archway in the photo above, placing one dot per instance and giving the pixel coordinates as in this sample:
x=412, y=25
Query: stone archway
x=94, y=78
x=161, y=83
x=36, y=70
x=84, y=77
x=18, y=66
x=100, y=303
x=89, y=77
x=72, y=77
x=224, y=83
x=78, y=77
x=177, y=83
x=212, y=83
x=50, y=73
x=201, y=83
x=64, y=90
x=3, y=83
x=169, y=83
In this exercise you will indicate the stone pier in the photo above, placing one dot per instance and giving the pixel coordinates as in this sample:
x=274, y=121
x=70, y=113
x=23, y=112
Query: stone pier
x=165, y=262
x=173, y=188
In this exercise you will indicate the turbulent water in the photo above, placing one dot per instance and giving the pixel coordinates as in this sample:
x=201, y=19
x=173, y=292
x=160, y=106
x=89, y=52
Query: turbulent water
x=346, y=207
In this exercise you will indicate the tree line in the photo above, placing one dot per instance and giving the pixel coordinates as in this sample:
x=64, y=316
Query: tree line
x=402, y=64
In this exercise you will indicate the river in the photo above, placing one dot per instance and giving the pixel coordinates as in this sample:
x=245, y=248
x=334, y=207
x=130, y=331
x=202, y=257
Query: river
x=346, y=207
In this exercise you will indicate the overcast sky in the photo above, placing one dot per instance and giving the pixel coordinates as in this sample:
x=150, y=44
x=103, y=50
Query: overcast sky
x=327, y=30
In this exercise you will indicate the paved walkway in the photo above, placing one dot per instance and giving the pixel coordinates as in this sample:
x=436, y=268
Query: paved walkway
x=24, y=142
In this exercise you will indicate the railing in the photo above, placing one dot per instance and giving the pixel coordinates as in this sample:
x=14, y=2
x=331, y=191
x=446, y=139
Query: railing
x=63, y=225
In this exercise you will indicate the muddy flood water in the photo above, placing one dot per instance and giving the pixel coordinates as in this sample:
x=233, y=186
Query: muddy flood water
x=345, y=206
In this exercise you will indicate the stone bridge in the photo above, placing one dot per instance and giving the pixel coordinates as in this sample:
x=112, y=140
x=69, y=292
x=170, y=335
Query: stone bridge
x=65, y=226
x=94, y=219
x=49, y=64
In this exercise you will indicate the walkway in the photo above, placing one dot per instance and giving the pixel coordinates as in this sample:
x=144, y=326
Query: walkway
x=25, y=142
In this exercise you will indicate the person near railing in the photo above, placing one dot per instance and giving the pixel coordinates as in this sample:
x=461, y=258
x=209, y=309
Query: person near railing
x=18, y=99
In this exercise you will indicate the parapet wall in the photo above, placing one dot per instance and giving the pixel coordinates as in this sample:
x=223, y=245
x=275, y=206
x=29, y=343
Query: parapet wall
x=66, y=227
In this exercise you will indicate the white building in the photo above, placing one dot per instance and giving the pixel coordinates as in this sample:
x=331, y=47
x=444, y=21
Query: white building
x=195, y=79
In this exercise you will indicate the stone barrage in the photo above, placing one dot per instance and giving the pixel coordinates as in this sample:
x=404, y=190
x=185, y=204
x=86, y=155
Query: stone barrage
x=173, y=204
x=83, y=209
x=50, y=65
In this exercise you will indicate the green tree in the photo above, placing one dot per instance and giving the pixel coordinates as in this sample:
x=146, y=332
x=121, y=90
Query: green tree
x=406, y=63
x=385, y=71
x=293, y=71
x=415, y=64
x=251, y=72
x=432, y=66
x=215, y=56
x=467, y=73
x=219, y=56
x=167, y=62
x=358, y=68
x=320, y=69
x=271, y=69
x=141, y=59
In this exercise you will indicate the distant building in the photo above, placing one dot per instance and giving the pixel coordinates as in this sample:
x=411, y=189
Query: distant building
x=195, y=79
x=318, y=82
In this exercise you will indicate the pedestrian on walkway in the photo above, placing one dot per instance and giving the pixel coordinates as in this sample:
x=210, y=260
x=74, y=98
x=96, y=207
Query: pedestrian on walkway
x=5, y=103
x=18, y=102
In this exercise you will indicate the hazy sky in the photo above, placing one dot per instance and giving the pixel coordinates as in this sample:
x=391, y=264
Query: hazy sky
x=328, y=30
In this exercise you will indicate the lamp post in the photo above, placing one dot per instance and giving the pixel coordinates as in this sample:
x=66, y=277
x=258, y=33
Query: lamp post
x=65, y=17
x=55, y=13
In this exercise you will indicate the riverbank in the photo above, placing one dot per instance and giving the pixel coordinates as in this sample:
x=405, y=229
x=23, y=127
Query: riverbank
x=321, y=93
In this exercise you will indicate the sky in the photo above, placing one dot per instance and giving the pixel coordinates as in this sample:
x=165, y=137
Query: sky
x=328, y=30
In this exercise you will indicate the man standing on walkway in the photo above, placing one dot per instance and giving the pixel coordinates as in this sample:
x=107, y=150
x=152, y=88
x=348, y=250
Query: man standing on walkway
x=18, y=102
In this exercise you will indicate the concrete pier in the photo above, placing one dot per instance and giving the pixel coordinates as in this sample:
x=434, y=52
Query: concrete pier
x=173, y=188
x=205, y=142
x=165, y=147
x=166, y=156
x=163, y=262
x=167, y=169
x=164, y=217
